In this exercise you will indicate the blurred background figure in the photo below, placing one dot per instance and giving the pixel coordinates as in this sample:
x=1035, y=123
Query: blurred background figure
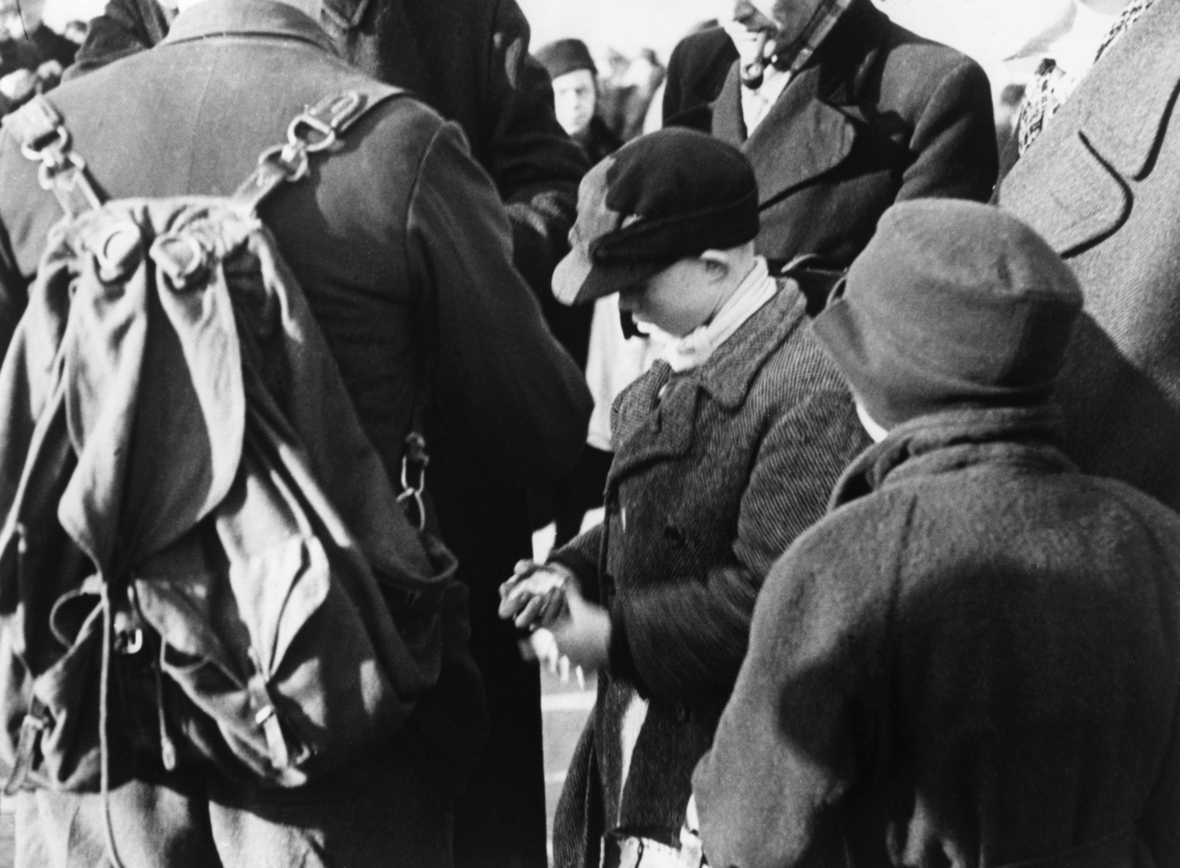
x=688, y=96
x=32, y=55
x=628, y=89
x=1007, y=110
x=575, y=96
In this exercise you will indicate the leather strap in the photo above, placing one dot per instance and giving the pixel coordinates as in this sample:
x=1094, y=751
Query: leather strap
x=317, y=128
x=43, y=136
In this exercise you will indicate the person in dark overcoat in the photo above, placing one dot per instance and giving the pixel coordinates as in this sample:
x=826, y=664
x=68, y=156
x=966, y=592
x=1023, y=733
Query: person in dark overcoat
x=974, y=658
x=405, y=252
x=724, y=452
x=469, y=60
x=1102, y=183
x=852, y=113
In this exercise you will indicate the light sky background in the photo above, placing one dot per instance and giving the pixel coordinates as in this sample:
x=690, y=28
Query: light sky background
x=988, y=30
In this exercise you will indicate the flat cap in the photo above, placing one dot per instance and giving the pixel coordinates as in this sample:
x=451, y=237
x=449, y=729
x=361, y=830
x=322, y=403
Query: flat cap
x=663, y=197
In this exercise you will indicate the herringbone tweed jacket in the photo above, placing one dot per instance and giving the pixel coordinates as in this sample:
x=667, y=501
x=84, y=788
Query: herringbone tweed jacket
x=1102, y=184
x=707, y=489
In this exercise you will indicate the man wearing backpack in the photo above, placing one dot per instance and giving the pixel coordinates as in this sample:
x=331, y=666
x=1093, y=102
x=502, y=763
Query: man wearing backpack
x=401, y=246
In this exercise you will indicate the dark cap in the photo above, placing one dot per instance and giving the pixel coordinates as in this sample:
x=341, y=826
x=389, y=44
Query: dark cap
x=666, y=196
x=951, y=303
x=564, y=56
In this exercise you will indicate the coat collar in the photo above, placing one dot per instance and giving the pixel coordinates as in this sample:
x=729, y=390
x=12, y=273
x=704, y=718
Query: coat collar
x=953, y=440
x=812, y=121
x=246, y=18
x=726, y=377
x=1109, y=127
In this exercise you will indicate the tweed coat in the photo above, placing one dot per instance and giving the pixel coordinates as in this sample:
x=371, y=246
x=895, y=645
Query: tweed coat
x=973, y=660
x=877, y=116
x=399, y=241
x=706, y=490
x=1102, y=185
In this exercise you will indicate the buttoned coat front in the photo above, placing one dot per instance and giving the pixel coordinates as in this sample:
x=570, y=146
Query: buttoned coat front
x=708, y=487
x=877, y=116
x=1102, y=184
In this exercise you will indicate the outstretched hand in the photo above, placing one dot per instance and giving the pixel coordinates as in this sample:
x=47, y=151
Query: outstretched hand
x=535, y=595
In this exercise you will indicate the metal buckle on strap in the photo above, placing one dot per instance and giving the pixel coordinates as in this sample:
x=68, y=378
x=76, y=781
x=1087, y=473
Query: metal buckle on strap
x=414, y=464
x=30, y=736
x=325, y=120
x=45, y=140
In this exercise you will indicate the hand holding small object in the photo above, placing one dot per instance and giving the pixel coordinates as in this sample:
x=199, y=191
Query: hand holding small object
x=535, y=595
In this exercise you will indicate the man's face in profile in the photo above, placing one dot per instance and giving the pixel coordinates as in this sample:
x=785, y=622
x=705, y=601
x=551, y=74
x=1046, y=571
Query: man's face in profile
x=784, y=20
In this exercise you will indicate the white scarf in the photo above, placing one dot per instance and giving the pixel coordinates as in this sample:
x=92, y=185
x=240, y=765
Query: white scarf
x=695, y=348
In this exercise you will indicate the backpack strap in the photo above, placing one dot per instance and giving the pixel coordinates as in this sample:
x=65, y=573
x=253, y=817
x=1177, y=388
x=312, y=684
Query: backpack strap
x=43, y=138
x=317, y=128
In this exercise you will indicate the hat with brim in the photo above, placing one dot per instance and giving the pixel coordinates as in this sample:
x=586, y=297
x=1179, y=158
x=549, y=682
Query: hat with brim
x=664, y=197
x=565, y=56
x=951, y=303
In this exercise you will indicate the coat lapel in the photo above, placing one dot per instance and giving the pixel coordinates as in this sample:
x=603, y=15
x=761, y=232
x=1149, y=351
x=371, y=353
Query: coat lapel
x=728, y=124
x=667, y=431
x=653, y=435
x=799, y=139
x=812, y=126
x=1070, y=184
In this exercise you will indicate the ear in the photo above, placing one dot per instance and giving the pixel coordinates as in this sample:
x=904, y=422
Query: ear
x=718, y=264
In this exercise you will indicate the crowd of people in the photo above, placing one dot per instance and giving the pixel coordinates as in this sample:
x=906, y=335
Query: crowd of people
x=880, y=402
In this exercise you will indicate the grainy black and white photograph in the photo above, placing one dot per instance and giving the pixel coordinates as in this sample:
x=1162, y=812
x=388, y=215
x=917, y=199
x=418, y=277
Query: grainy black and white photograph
x=589, y=434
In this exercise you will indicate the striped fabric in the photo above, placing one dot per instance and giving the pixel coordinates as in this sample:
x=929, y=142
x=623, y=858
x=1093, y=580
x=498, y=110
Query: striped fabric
x=1128, y=17
x=1051, y=85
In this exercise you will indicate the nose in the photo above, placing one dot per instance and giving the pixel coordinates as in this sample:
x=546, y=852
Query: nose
x=742, y=10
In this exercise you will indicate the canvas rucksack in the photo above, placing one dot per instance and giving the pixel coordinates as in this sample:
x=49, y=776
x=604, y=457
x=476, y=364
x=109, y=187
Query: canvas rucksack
x=201, y=555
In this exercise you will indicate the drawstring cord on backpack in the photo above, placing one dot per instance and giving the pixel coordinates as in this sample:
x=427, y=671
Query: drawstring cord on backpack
x=104, y=748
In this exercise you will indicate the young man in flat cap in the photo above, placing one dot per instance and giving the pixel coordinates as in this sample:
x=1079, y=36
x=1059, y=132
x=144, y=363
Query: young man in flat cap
x=974, y=659
x=725, y=452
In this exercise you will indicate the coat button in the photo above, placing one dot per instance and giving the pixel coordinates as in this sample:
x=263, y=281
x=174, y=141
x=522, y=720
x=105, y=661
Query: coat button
x=682, y=713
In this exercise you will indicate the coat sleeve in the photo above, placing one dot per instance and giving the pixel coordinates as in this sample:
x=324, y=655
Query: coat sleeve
x=954, y=140
x=767, y=792
x=13, y=285
x=501, y=385
x=707, y=622
x=1159, y=827
x=536, y=166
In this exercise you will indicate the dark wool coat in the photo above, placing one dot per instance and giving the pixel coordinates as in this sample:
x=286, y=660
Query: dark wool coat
x=1102, y=184
x=398, y=239
x=877, y=116
x=706, y=491
x=974, y=660
x=470, y=61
